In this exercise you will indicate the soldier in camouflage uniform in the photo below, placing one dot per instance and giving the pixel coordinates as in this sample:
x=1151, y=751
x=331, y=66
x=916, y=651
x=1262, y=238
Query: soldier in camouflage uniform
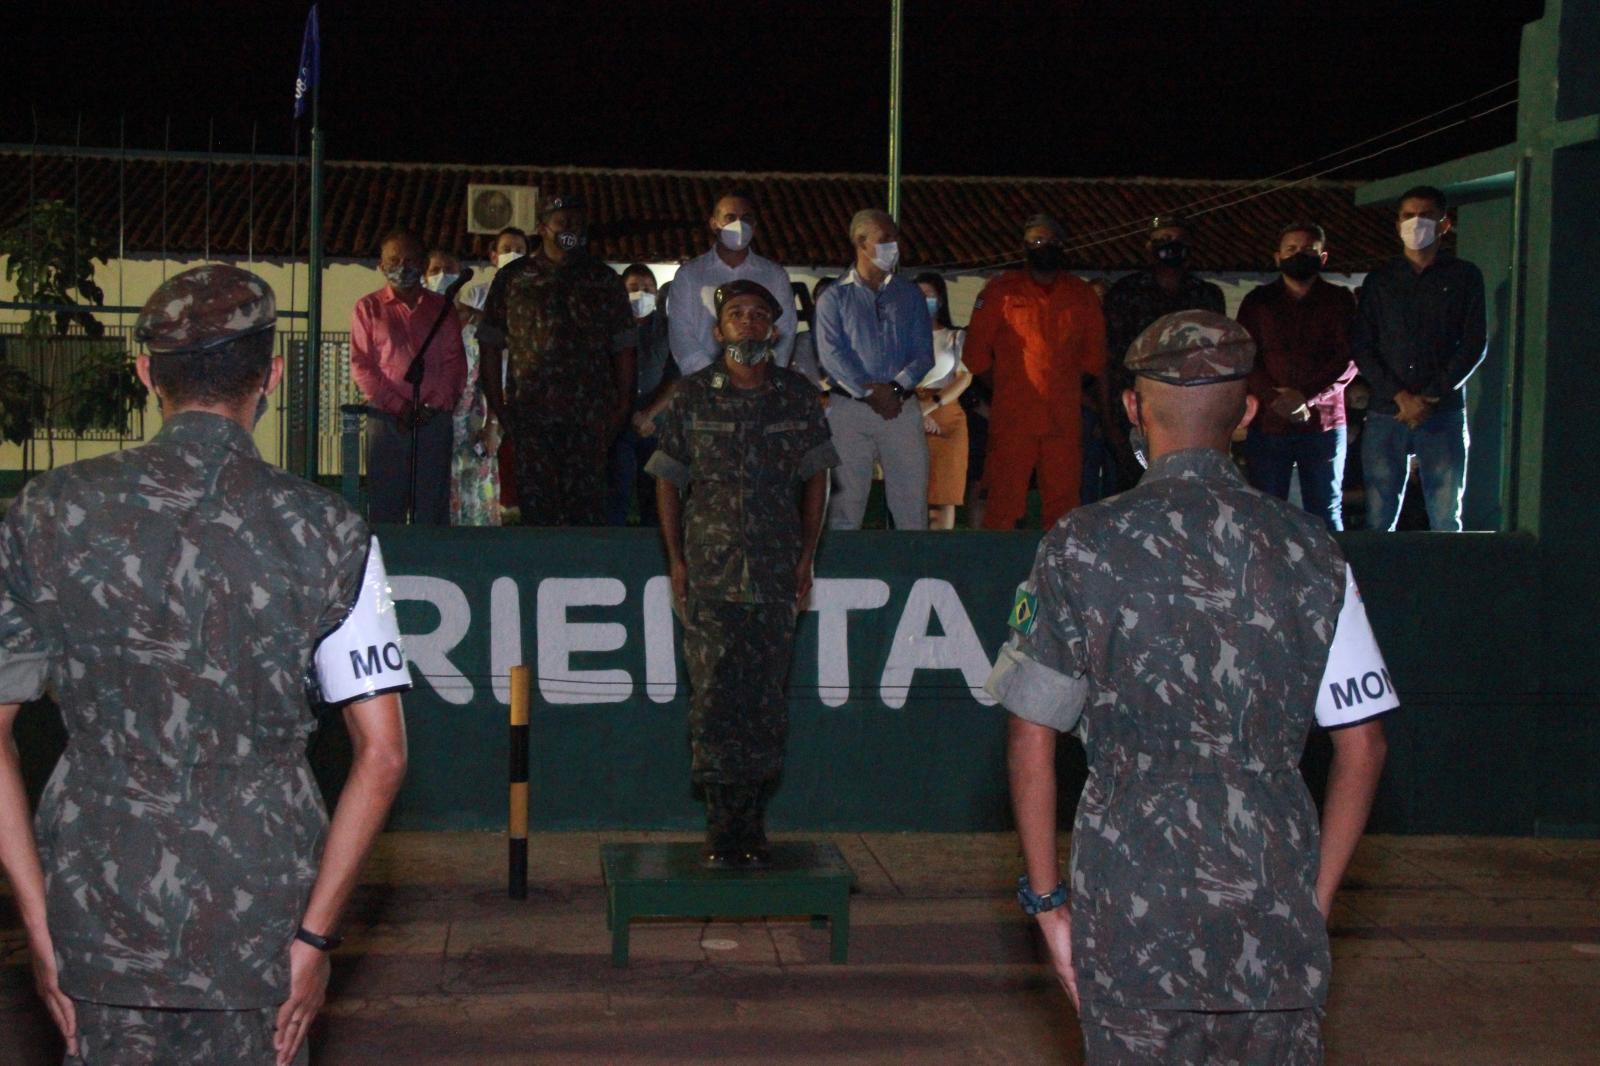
x=1190, y=632
x=741, y=464
x=561, y=318
x=170, y=599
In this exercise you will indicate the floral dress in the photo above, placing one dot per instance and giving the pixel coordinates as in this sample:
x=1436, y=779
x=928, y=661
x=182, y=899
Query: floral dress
x=474, y=479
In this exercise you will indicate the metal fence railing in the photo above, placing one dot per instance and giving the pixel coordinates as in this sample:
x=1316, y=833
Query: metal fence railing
x=54, y=363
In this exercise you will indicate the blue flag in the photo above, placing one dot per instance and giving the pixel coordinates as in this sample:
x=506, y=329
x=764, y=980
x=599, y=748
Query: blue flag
x=310, y=62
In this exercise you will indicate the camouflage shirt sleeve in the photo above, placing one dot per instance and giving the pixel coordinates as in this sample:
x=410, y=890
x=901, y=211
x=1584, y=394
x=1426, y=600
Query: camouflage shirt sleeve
x=820, y=454
x=670, y=460
x=27, y=646
x=1042, y=672
x=492, y=327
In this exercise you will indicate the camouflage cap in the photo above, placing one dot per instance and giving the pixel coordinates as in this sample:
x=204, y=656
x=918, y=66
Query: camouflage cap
x=1192, y=348
x=745, y=287
x=205, y=307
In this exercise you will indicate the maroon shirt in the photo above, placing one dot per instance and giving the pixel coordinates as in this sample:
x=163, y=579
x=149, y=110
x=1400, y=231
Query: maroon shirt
x=1301, y=344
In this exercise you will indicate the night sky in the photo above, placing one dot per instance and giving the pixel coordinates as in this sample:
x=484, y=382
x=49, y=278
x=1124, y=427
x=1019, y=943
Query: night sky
x=991, y=87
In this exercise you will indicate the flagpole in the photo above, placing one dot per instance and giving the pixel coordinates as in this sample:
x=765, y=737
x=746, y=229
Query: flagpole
x=314, y=296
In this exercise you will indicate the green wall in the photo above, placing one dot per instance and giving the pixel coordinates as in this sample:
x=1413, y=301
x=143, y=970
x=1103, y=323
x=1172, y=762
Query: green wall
x=1482, y=744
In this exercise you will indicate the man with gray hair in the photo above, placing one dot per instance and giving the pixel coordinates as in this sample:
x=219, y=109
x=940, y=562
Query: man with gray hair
x=875, y=340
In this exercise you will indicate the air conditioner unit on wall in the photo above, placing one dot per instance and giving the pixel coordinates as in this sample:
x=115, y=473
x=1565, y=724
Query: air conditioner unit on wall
x=491, y=208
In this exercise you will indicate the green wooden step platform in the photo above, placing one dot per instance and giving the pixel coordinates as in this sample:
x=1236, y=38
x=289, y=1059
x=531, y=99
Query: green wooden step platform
x=667, y=881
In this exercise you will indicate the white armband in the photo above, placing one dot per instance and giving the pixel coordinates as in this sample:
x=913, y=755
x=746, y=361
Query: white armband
x=364, y=656
x=1355, y=686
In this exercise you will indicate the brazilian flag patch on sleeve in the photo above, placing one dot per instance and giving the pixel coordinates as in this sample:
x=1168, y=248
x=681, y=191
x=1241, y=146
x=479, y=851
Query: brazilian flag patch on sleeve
x=1025, y=611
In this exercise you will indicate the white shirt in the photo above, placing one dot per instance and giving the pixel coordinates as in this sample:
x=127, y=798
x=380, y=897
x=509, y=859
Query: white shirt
x=692, y=300
x=947, y=345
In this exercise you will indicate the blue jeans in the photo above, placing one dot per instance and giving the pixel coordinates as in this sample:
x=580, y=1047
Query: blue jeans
x=628, y=456
x=1440, y=445
x=1272, y=457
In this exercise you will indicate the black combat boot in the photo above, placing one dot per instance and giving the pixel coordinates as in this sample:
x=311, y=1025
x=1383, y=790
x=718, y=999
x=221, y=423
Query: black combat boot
x=736, y=835
x=722, y=839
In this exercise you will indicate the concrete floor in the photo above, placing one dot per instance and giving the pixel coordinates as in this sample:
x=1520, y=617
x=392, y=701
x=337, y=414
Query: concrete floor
x=1449, y=950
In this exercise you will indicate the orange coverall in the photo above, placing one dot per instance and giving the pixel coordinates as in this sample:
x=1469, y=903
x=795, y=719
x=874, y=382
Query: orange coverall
x=1040, y=341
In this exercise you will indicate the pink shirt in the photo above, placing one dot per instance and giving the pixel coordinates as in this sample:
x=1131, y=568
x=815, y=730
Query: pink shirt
x=384, y=337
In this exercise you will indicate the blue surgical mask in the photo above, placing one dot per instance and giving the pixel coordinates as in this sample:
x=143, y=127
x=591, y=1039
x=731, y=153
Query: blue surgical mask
x=933, y=307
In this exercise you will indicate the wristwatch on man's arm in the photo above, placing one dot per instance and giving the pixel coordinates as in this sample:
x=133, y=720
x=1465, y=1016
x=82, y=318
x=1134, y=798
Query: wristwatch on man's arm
x=1033, y=903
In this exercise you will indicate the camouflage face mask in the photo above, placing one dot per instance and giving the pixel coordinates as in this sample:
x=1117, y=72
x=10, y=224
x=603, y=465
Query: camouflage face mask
x=751, y=352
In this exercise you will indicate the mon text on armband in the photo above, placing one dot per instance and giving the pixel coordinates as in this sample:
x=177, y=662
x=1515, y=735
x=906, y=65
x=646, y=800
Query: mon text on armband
x=1355, y=684
x=364, y=656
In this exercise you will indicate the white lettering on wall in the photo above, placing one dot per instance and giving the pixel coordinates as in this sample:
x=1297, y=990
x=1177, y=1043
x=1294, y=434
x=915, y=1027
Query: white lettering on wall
x=505, y=635
x=915, y=649
x=833, y=598
x=660, y=650
x=430, y=652
x=560, y=639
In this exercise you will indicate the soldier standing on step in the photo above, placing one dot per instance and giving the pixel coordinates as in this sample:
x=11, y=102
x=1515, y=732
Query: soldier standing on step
x=742, y=471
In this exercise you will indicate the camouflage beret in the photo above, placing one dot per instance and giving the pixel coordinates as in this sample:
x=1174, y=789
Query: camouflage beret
x=745, y=287
x=205, y=307
x=1192, y=348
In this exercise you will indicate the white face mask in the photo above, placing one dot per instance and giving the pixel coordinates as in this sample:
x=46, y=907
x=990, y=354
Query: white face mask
x=1418, y=233
x=439, y=282
x=643, y=303
x=505, y=258
x=885, y=256
x=736, y=236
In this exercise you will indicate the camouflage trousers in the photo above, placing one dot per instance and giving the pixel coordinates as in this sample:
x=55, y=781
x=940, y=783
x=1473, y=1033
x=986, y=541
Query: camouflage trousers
x=152, y=1036
x=1123, y=1036
x=561, y=472
x=738, y=658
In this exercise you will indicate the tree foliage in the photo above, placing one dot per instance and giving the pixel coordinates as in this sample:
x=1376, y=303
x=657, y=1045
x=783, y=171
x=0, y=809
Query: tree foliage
x=50, y=254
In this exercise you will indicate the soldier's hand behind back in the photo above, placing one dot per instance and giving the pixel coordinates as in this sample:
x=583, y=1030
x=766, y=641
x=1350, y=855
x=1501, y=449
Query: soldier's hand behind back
x=678, y=574
x=308, y=988
x=62, y=1011
x=1056, y=928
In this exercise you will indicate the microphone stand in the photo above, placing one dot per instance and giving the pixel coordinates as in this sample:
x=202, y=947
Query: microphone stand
x=414, y=374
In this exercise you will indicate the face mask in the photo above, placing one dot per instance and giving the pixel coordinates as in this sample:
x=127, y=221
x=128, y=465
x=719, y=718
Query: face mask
x=403, y=277
x=644, y=303
x=736, y=236
x=1141, y=447
x=1047, y=258
x=933, y=308
x=750, y=353
x=439, y=282
x=885, y=256
x=1171, y=253
x=505, y=259
x=1418, y=233
x=569, y=240
x=1302, y=266
x=261, y=408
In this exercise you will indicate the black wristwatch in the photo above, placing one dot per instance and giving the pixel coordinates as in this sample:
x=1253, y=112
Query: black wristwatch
x=321, y=943
x=1033, y=903
x=900, y=391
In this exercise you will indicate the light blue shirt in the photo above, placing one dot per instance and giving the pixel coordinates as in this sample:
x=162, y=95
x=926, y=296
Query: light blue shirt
x=866, y=337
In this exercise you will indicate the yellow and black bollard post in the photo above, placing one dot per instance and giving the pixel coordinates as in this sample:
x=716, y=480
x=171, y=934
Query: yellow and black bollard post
x=517, y=823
